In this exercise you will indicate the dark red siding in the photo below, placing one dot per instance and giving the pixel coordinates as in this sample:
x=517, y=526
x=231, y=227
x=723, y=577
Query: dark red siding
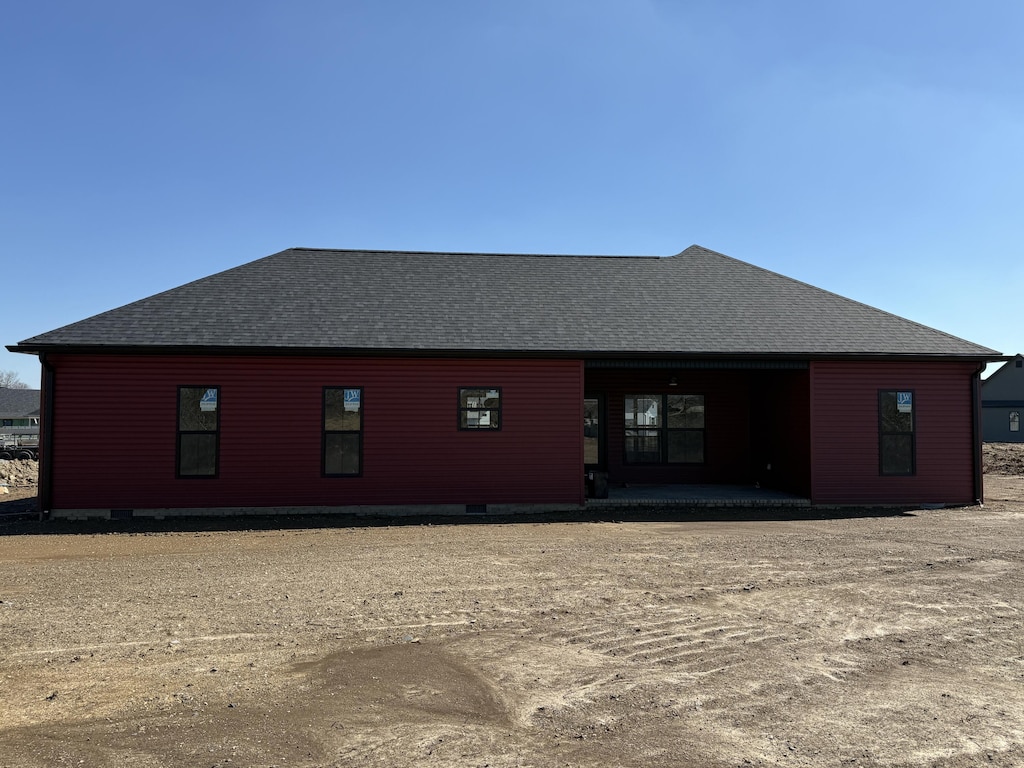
x=114, y=432
x=844, y=433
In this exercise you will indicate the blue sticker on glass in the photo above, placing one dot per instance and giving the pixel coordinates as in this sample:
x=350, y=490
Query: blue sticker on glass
x=904, y=402
x=352, y=399
x=209, y=400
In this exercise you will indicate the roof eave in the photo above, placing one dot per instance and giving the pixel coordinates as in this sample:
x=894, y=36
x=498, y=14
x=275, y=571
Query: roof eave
x=228, y=350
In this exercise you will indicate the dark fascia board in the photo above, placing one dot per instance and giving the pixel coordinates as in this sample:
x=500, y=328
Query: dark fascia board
x=233, y=351
x=1002, y=403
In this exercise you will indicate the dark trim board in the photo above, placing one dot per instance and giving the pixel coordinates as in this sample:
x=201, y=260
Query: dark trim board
x=591, y=358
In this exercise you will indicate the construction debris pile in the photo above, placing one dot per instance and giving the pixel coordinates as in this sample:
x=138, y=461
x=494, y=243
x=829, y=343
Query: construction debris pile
x=1003, y=458
x=18, y=474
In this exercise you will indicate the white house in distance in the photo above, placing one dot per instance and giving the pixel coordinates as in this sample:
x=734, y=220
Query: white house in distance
x=19, y=423
x=1002, y=403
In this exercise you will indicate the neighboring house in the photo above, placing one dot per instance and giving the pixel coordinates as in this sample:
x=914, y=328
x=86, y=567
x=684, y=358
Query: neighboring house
x=19, y=414
x=324, y=380
x=1002, y=403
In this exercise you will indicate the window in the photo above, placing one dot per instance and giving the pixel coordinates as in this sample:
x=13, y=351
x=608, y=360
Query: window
x=479, y=408
x=664, y=429
x=896, y=433
x=1015, y=421
x=198, y=431
x=685, y=429
x=643, y=429
x=343, y=431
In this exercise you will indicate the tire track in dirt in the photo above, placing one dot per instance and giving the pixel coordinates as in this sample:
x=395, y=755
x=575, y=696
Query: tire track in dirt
x=651, y=645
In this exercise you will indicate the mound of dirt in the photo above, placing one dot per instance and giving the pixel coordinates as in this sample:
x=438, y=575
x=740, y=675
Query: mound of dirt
x=18, y=474
x=1003, y=458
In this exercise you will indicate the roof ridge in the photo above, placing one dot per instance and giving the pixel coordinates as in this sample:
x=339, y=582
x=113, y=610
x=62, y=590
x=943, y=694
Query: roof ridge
x=474, y=253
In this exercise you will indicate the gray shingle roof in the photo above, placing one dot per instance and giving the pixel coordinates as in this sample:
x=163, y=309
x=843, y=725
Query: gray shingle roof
x=18, y=403
x=695, y=303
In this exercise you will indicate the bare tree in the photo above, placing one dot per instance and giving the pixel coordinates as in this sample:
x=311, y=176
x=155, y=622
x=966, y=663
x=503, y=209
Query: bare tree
x=10, y=380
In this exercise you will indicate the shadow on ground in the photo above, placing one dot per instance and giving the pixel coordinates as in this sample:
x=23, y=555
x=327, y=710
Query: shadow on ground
x=18, y=521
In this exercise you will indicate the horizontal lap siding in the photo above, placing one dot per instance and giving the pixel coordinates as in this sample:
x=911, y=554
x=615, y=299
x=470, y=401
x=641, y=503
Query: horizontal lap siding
x=996, y=425
x=115, y=432
x=844, y=433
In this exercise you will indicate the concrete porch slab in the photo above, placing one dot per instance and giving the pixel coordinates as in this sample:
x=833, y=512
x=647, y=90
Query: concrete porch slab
x=697, y=496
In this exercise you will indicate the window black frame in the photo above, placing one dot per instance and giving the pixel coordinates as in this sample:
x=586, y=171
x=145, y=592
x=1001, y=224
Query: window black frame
x=884, y=433
x=1014, y=421
x=663, y=431
x=495, y=421
x=325, y=432
x=180, y=433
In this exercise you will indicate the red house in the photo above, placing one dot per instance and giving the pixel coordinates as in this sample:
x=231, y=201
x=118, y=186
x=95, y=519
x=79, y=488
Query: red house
x=320, y=380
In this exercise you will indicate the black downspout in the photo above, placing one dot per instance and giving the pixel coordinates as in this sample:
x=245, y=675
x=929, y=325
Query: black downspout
x=46, y=438
x=979, y=482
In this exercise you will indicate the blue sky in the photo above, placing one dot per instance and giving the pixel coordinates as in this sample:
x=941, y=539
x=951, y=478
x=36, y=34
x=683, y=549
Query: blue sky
x=875, y=149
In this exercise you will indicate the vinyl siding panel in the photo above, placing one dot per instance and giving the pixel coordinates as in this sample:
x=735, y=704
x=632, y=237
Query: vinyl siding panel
x=114, y=432
x=996, y=424
x=845, y=439
x=1007, y=383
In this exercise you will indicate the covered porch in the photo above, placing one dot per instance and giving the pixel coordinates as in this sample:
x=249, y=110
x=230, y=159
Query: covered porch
x=698, y=432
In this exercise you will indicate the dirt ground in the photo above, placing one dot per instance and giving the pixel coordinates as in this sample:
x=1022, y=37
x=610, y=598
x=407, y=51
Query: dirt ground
x=677, y=640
